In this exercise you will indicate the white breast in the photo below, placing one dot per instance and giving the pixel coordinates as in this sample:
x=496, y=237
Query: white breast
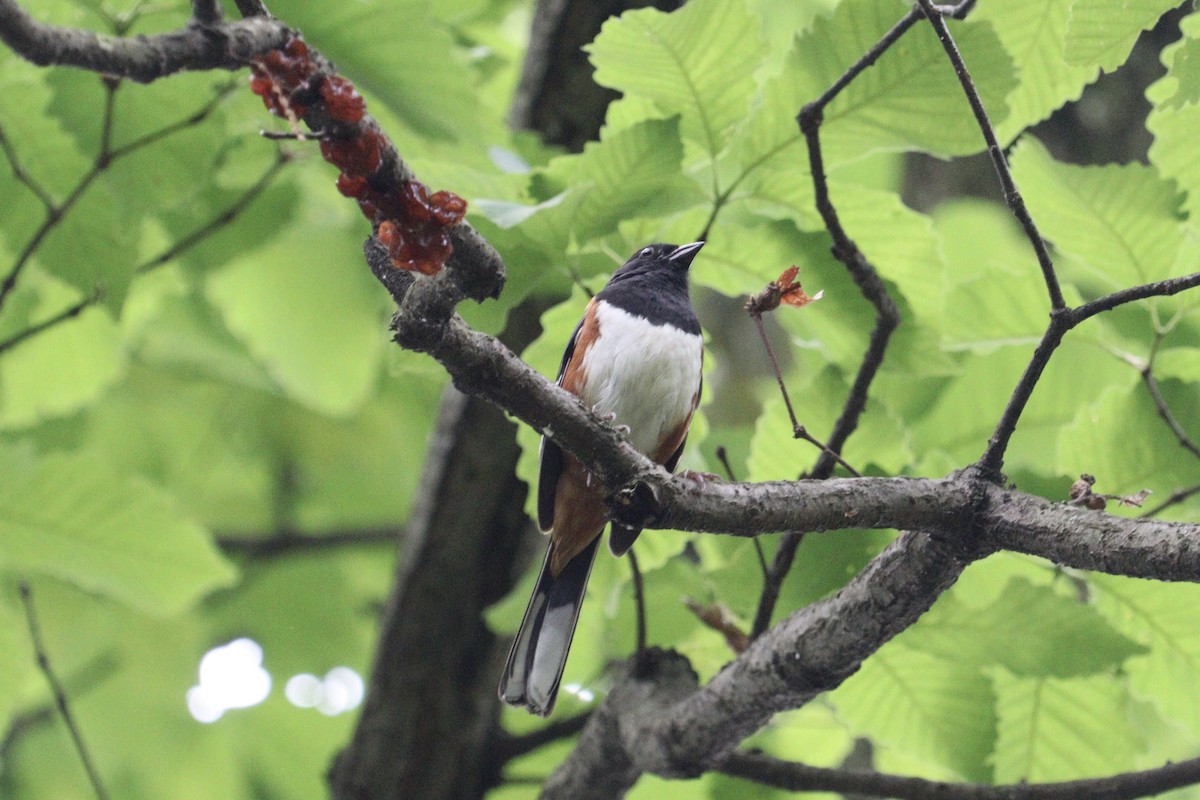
x=644, y=374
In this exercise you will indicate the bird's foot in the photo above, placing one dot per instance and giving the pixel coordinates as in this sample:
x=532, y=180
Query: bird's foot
x=699, y=478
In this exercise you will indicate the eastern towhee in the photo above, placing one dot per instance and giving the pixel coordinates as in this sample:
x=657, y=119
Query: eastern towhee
x=635, y=358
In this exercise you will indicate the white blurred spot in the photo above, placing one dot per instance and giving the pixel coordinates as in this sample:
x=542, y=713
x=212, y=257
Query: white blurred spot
x=304, y=690
x=231, y=676
x=339, y=691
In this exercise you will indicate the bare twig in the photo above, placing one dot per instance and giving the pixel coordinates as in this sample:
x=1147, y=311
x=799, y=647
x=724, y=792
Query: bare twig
x=1164, y=411
x=639, y=601
x=206, y=12
x=1175, y=498
x=67, y=313
x=1012, y=195
x=794, y=777
x=289, y=542
x=887, y=315
x=723, y=457
x=1061, y=322
x=106, y=155
x=510, y=747
x=222, y=219
x=60, y=695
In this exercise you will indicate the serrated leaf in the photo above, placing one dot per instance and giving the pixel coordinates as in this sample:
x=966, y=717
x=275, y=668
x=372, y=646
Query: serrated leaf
x=1033, y=32
x=1029, y=630
x=698, y=61
x=1159, y=615
x=911, y=99
x=929, y=708
x=964, y=413
x=634, y=172
x=1182, y=363
x=71, y=517
x=1174, y=123
x=1052, y=729
x=1102, y=32
x=313, y=319
x=995, y=296
x=1120, y=221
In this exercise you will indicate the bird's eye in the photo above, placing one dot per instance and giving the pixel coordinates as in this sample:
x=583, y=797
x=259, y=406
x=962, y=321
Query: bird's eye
x=646, y=252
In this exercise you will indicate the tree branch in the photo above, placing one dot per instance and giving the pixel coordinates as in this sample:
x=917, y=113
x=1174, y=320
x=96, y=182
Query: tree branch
x=763, y=769
x=144, y=58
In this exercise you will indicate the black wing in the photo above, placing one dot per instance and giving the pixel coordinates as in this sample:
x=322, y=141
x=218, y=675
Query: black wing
x=552, y=455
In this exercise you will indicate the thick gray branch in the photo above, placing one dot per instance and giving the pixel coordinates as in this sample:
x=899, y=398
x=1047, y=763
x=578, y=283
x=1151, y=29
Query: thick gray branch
x=142, y=58
x=810, y=652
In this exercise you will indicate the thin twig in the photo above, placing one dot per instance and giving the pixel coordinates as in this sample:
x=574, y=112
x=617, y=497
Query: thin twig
x=200, y=115
x=206, y=12
x=1164, y=411
x=639, y=601
x=20, y=174
x=1176, y=497
x=1061, y=322
x=1012, y=194
x=67, y=313
x=288, y=542
x=252, y=8
x=60, y=695
x=220, y=220
x=106, y=155
x=723, y=457
x=887, y=315
x=795, y=777
x=785, y=555
x=801, y=432
x=787, y=401
x=510, y=747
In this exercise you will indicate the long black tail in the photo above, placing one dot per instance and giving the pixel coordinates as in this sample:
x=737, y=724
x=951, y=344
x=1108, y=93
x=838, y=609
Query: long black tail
x=539, y=653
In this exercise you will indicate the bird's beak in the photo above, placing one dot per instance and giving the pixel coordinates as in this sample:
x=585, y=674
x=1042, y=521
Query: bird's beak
x=685, y=253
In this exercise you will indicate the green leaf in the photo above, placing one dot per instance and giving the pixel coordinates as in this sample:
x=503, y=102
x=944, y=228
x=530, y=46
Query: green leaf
x=634, y=172
x=1159, y=615
x=62, y=369
x=697, y=61
x=71, y=517
x=911, y=98
x=1182, y=363
x=1120, y=221
x=1029, y=630
x=995, y=296
x=316, y=325
x=397, y=52
x=964, y=413
x=1033, y=32
x=1102, y=32
x=932, y=709
x=1183, y=64
x=1052, y=729
x=1173, y=121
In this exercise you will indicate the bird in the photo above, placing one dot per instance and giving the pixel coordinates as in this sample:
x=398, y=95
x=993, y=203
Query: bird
x=635, y=359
